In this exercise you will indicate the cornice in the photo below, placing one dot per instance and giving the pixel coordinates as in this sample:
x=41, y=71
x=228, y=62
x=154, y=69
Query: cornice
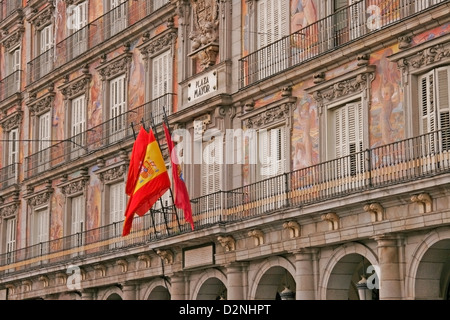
x=119, y=65
x=11, y=121
x=152, y=46
x=77, y=86
x=42, y=104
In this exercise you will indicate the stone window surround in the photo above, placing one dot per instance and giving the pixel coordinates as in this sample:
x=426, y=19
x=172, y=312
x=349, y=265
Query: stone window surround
x=109, y=70
x=414, y=61
x=71, y=188
x=337, y=91
x=275, y=114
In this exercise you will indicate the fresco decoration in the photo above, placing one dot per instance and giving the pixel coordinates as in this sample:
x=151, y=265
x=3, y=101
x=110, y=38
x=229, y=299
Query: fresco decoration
x=136, y=83
x=57, y=207
x=303, y=14
x=430, y=34
x=94, y=200
x=305, y=129
x=386, y=122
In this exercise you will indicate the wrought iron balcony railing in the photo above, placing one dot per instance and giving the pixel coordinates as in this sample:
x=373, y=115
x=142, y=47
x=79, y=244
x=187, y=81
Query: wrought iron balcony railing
x=92, y=35
x=9, y=175
x=10, y=85
x=400, y=162
x=325, y=35
x=110, y=132
x=8, y=7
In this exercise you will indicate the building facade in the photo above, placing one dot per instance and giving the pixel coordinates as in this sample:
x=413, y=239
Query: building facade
x=314, y=139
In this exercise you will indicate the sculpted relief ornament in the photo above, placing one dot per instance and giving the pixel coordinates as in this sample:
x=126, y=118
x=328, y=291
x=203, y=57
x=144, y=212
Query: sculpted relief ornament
x=204, y=37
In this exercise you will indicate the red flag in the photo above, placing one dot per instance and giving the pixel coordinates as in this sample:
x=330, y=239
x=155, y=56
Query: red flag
x=137, y=154
x=150, y=184
x=181, y=194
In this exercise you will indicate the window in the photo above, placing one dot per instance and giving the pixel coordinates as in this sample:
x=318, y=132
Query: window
x=161, y=85
x=44, y=135
x=77, y=211
x=79, y=19
x=273, y=21
x=116, y=209
x=13, y=155
x=45, y=53
x=78, y=126
x=210, y=168
x=153, y=5
x=117, y=16
x=11, y=225
x=13, y=65
x=349, y=20
x=346, y=133
x=434, y=104
x=118, y=99
x=271, y=152
x=40, y=230
x=271, y=157
x=272, y=25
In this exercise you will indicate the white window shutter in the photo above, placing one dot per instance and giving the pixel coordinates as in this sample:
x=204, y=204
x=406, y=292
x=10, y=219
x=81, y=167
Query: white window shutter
x=443, y=106
x=10, y=235
x=162, y=74
x=77, y=214
x=117, y=202
x=13, y=147
x=78, y=120
x=44, y=131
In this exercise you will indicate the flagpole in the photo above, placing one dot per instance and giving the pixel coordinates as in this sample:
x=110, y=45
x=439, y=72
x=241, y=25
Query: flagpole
x=166, y=121
x=152, y=124
x=151, y=210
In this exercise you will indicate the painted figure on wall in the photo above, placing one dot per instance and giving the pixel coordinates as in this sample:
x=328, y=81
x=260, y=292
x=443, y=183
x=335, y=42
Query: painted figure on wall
x=387, y=119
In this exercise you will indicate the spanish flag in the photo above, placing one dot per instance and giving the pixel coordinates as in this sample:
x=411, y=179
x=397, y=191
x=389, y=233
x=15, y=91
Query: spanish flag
x=148, y=183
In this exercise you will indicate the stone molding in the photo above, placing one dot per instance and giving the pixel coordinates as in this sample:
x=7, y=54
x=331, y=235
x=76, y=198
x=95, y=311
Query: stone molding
x=352, y=83
x=11, y=121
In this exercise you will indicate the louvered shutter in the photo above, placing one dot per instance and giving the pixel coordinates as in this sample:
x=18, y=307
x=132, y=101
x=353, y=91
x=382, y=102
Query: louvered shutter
x=77, y=214
x=118, y=107
x=78, y=121
x=10, y=235
x=427, y=110
x=443, y=107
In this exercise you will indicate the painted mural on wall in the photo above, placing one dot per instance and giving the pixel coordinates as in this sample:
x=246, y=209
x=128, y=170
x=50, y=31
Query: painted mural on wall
x=386, y=121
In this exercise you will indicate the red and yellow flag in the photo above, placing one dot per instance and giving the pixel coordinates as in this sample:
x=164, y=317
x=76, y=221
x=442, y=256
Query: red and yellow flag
x=151, y=182
x=181, y=196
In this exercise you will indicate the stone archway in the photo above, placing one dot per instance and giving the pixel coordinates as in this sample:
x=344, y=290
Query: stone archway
x=211, y=286
x=158, y=290
x=429, y=274
x=345, y=269
x=273, y=275
x=112, y=293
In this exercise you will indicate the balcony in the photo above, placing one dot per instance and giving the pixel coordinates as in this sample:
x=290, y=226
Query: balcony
x=8, y=7
x=9, y=175
x=92, y=35
x=341, y=28
x=10, y=85
x=108, y=133
x=401, y=162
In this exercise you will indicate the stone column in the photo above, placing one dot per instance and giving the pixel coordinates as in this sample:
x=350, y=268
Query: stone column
x=129, y=291
x=305, y=275
x=178, y=287
x=236, y=281
x=87, y=294
x=390, y=268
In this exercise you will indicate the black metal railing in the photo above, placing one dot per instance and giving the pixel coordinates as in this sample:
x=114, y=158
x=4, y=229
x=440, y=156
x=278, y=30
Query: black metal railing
x=404, y=161
x=10, y=85
x=9, y=175
x=92, y=35
x=345, y=25
x=110, y=132
x=8, y=7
